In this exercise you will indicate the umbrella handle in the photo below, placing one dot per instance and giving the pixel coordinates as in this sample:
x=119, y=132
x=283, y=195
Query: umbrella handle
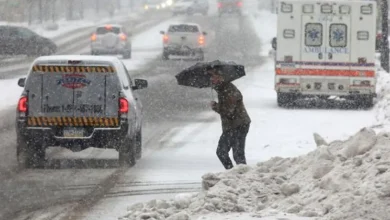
x=212, y=94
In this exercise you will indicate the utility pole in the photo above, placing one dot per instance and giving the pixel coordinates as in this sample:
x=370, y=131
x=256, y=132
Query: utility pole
x=384, y=46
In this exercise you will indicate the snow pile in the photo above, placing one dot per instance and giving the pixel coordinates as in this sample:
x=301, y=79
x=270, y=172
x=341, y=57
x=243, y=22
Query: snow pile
x=382, y=107
x=347, y=180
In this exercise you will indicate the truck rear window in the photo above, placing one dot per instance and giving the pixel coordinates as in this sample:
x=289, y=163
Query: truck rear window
x=105, y=30
x=183, y=28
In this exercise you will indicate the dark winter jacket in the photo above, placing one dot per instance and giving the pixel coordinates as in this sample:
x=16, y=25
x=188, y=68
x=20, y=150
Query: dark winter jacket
x=231, y=107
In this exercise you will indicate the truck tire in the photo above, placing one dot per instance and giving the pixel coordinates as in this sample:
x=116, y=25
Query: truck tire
x=127, y=157
x=127, y=54
x=201, y=56
x=365, y=102
x=138, y=145
x=285, y=99
x=30, y=154
x=165, y=56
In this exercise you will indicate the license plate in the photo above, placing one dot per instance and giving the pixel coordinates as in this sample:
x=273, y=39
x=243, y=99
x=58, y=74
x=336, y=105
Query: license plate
x=73, y=132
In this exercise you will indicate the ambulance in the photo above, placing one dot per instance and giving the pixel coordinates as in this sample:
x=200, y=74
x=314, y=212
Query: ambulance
x=325, y=49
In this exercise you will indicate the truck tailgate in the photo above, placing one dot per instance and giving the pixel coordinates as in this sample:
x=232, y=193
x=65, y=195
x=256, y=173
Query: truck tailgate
x=73, y=96
x=184, y=39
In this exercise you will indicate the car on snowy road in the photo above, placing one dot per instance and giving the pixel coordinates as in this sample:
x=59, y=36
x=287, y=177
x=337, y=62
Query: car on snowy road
x=16, y=40
x=184, y=40
x=78, y=102
x=153, y=5
x=229, y=7
x=111, y=39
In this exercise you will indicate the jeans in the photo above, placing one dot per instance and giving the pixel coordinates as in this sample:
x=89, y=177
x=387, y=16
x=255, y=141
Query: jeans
x=233, y=139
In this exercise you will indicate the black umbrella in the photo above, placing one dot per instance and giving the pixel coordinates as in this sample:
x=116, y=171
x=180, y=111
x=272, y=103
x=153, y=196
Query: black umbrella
x=197, y=75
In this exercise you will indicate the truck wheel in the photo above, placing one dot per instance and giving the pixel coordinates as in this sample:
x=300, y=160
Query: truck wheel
x=30, y=155
x=365, y=102
x=165, y=56
x=138, y=145
x=285, y=99
x=127, y=54
x=201, y=56
x=127, y=152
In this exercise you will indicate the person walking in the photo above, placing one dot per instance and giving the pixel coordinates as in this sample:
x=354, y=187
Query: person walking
x=234, y=117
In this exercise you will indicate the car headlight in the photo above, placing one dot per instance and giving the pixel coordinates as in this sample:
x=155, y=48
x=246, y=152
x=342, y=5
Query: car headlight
x=158, y=7
x=163, y=5
x=146, y=7
x=169, y=2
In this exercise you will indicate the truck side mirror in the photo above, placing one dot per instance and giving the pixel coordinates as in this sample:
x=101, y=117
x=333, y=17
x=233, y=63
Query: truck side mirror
x=274, y=43
x=22, y=82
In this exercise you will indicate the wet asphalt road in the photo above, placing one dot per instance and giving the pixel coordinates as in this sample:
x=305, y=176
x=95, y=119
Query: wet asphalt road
x=85, y=181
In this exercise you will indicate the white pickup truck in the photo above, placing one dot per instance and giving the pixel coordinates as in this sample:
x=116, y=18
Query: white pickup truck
x=186, y=40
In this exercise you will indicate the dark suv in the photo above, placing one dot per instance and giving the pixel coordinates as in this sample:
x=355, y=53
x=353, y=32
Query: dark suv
x=229, y=7
x=16, y=40
x=78, y=102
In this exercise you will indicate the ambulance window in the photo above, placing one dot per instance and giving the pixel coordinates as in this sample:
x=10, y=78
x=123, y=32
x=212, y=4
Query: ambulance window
x=308, y=8
x=338, y=35
x=345, y=9
x=313, y=34
x=288, y=33
x=362, y=35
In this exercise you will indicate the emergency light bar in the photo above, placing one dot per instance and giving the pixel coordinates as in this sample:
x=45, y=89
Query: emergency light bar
x=366, y=9
x=288, y=33
x=362, y=35
x=287, y=8
x=326, y=8
x=308, y=8
x=345, y=9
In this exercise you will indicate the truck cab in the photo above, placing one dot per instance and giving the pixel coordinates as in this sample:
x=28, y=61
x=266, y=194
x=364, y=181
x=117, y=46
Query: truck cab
x=325, y=49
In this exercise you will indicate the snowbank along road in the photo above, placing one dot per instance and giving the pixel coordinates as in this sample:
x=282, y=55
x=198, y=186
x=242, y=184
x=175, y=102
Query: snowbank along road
x=76, y=181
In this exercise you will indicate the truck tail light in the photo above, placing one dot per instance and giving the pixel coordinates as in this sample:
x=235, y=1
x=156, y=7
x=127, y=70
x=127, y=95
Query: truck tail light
x=93, y=37
x=239, y=4
x=123, y=106
x=201, y=40
x=362, y=60
x=165, y=39
x=288, y=59
x=219, y=4
x=22, y=104
x=123, y=37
